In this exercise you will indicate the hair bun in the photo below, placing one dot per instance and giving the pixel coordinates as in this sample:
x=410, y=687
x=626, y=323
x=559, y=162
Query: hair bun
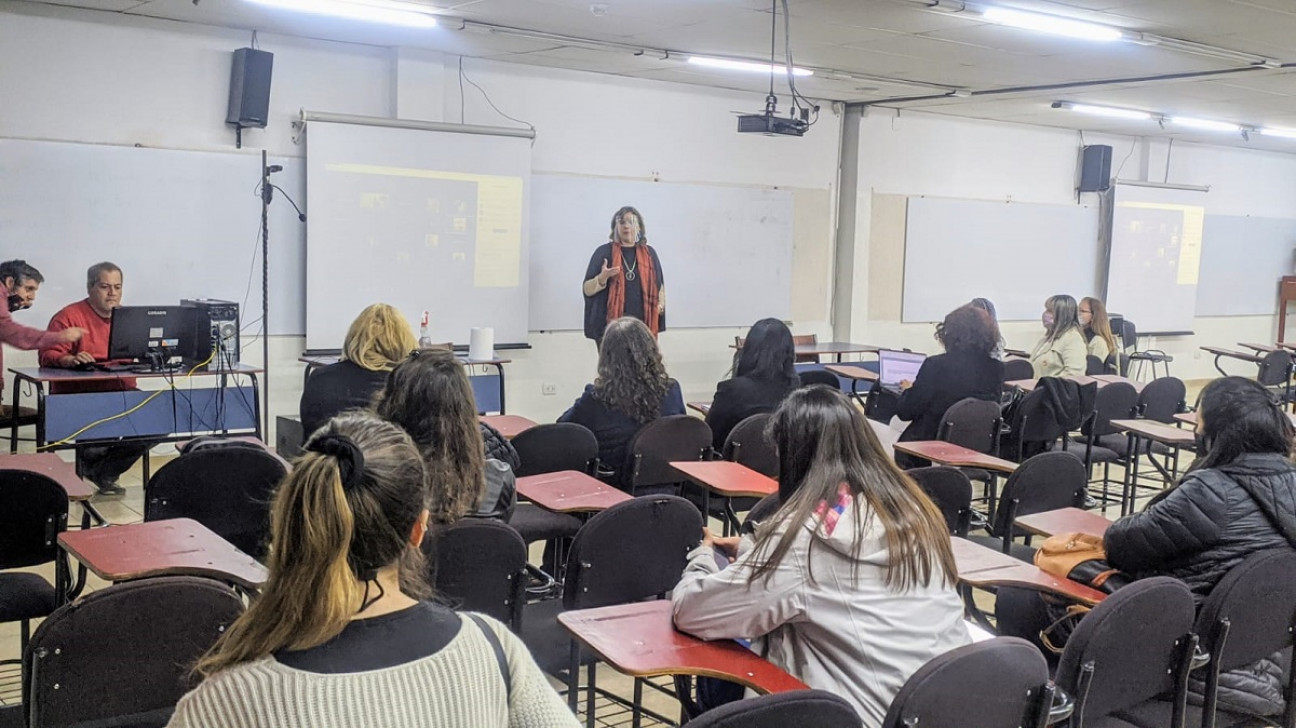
x=350, y=460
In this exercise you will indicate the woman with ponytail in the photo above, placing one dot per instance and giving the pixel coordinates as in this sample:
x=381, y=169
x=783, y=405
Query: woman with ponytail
x=338, y=635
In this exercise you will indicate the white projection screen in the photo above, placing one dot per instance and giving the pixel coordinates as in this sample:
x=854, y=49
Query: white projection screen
x=420, y=219
x=1155, y=261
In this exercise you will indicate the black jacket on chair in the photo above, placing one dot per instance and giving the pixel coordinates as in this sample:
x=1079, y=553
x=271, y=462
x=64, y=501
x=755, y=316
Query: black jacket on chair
x=1205, y=526
x=739, y=398
x=943, y=380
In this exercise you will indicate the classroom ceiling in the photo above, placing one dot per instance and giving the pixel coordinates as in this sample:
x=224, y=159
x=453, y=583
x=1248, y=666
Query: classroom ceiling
x=1229, y=60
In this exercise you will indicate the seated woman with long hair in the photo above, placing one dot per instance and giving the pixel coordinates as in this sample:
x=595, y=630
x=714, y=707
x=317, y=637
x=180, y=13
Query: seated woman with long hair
x=966, y=369
x=429, y=395
x=632, y=389
x=850, y=585
x=378, y=340
x=764, y=373
x=340, y=634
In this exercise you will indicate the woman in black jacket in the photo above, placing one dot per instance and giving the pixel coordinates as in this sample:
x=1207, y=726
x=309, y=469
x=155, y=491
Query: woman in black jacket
x=764, y=374
x=1238, y=498
x=966, y=369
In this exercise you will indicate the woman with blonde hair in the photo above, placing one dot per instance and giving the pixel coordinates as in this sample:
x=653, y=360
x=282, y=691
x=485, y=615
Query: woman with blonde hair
x=378, y=340
x=1097, y=328
x=340, y=635
x=632, y=389
x=850, y=585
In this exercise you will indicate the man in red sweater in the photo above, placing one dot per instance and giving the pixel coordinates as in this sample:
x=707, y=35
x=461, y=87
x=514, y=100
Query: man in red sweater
x=101, y=464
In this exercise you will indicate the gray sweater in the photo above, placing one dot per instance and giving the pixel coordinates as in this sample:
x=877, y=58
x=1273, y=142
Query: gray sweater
x=458, y=687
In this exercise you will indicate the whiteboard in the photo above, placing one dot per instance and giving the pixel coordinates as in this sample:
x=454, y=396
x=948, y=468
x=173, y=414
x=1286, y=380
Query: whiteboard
x=1016, y=254
x=421, y=219
x=1242, y=259
x=181, y=224
x=726, y=252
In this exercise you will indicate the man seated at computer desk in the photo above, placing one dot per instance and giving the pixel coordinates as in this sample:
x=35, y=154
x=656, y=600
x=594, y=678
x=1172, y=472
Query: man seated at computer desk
x=101, y=464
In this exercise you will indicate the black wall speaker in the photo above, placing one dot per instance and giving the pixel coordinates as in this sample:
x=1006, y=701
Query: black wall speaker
x=1095, y=168
x=249, y=97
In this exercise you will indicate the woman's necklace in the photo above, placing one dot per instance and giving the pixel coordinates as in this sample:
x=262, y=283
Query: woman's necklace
x=629, y=267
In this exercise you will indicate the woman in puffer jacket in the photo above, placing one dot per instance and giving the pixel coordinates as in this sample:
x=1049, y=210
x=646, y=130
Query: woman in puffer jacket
x=1238, y=498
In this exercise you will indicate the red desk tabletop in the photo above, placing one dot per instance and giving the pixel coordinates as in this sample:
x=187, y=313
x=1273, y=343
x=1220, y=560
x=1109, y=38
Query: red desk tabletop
x=947, y=453
x=161, y=548
x=703, y=407
x=727, y=478
x=509, y=426
x=640, y=639
x=852, y=372
x=1157, y=431
x=1065, y=520
x=985, y=567
x=47, y=463
x=569, y=491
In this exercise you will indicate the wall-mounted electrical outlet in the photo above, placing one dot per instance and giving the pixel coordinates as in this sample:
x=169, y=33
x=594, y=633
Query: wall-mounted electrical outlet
x=548, y=388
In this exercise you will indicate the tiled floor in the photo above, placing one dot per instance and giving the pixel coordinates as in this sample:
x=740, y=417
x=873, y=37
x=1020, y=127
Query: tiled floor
x=129, y=508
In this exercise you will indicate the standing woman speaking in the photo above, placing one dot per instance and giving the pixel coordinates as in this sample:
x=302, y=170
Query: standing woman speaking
x=624, y=278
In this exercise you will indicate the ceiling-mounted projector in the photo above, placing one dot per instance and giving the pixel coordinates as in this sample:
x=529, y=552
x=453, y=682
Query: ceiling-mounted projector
x=770, y=124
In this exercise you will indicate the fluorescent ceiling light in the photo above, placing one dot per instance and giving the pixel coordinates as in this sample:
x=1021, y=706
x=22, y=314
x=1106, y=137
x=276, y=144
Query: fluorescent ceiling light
x=731, y=65
x=1052, y=24
x=1108, y=111
x=1279, y=132
x=376, y=11
x=1205, y=124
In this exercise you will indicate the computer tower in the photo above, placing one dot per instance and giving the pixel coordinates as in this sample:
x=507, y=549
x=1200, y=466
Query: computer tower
x=216, y=333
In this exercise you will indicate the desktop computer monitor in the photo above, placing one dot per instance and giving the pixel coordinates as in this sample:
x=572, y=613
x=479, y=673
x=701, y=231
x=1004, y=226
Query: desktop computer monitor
x=154, y=335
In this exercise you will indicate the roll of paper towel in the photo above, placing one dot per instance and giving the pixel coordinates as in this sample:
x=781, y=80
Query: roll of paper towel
x=481, y=345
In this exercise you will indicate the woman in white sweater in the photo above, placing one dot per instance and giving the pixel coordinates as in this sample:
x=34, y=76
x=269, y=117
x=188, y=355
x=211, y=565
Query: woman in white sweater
x=1062, y=351
x=850, y=586
x=337, y=637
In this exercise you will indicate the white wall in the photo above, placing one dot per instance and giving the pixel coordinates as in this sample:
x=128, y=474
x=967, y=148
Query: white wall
x=925, y=154
x=82, y=76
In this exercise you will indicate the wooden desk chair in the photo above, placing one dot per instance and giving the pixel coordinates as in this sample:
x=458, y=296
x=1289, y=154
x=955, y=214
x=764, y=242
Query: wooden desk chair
x=480, y=566
x=33, y=511
x=627, y=553
x=225, y=485
x=796, y=709
x=656, y=444
x=951, y=491
x=122, y=655
x=1008, y=676
x=1136, y=645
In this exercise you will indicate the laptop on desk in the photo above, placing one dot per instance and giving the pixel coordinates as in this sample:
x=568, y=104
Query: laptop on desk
x=897, y=366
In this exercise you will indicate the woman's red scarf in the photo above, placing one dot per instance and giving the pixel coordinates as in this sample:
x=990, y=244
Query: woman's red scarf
x=645, y=278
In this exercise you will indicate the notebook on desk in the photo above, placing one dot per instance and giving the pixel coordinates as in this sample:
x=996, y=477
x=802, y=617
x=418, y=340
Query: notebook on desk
x=897, y=366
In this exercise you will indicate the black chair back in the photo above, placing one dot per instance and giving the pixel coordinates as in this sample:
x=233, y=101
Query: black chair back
x=1250, y=614
x=1275, y=368
x=811, y=377
x=1045, y=482
x=1018, y=369
x=1135, y=645
x=749, y=445
x=227, y=489
x=1116, y=401
x=651, y=450
x=1162, y=399
x=554, y=447
x=1008, y=677
x=631, y=551
x=33, y=512
x=951, y=491
x=122, y=655
x=480, y=566
x=972, y=423
x=795, y=709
